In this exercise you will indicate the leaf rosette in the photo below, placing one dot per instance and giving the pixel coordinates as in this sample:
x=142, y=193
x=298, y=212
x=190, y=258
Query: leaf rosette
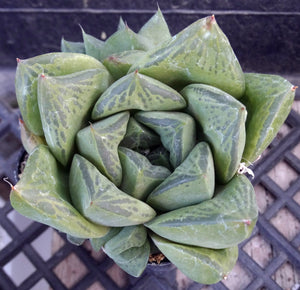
x=135, y=143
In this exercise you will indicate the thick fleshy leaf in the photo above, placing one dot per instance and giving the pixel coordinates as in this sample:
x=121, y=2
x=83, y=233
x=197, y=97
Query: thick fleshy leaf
x=71, y=46
x=99, y=144
x=98, y=243
x=123, y=39
x=156, y=29
x=122, y=24
x=268, y=99
x=99, y=200
x=64, y=103
x=42, y=195
x=127, y=238
x=75, y=240
x=222, y=119
x=160, y=156
x=139, y=136
x=192, y=182
x=118, y=64
x=140, y=176
x=218, y=223
x=134, y=260
x=203, y=265
x=52, y=64
x=137, y=92
x=177, y=132
x=29, y=140
x=201, y=53
x=93, y=46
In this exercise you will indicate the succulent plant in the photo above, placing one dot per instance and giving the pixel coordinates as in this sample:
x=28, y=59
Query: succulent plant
x=136, y=143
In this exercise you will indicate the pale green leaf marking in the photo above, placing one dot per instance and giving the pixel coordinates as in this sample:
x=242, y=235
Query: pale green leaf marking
x=100, y=201
x=99, y=144
x=177, y=132
x=222, y=119
x=137, y=92
x=201, y=53
x=192, y=182
x=42, y=195
x=140, y=176
x=218, y=223
x=202, y=265
x=52, y=64
x=269, y=100
x=64, y=103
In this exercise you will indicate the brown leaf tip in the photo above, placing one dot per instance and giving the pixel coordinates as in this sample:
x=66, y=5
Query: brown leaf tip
x=18, y=60
x=136, y=71
x=43, y=76
x=21, y=121
x=247, y=222
x=210, y=21
x=294, y=88
x=5, y=179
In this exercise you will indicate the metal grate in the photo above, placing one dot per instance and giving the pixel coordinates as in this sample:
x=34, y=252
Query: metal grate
x=257, y=272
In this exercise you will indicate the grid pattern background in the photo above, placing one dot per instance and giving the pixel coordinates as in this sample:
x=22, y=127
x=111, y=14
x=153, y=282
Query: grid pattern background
x=269, y=259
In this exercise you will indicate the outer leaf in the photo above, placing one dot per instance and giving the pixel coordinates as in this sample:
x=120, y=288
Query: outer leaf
x=127, y=238
x=64, y=103
x=201, y=53
x=192, y=182
x=218, y=223
x=177, y=132
x=42, y=195
x=93, y=46
x=156, y=29
x=97, y=243
x=29, y=140
x=53, y=64
x=101, y=201
x=118, y=64
x=134, y=260
x=137, y=92
x=99, y=144
x=205, y=266
x=222, y=119
x=140, y=176
x=139, y=136
x=268, y=99
x=71, y=46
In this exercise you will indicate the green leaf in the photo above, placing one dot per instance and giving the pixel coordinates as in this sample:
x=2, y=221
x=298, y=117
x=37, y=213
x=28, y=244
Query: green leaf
x=42, y=195
x=202, y=265
x=123, y=40
x=218, y=223
x=160, y=156
x=118, y=64
x=127, y=238
x=137, y=92
x=75, y=240
x=29, y=140
x=64, y=104
x=52, y=64
x=201, y=53
x=139, y=136
x=99, y=144
x=93, y=46
x=97, y=243
x=71, y=46
x=130, y=249
x=177, y=132
x=156, y=29
x=122, y=25
x=192, y=182
x=140, y=176
x=269, y=100
x=222, y=119
x=99, y=200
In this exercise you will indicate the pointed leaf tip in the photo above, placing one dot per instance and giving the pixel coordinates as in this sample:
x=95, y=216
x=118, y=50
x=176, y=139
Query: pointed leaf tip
x=294, y=88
